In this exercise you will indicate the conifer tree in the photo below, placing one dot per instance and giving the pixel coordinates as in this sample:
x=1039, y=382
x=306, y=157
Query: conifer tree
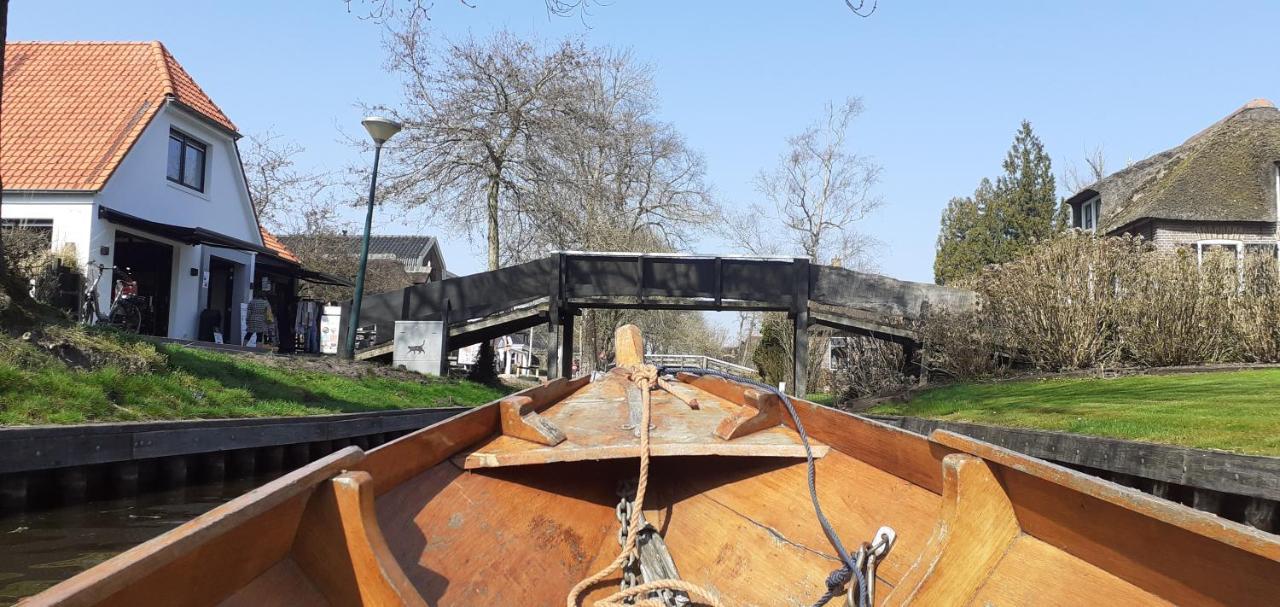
x=999, y=222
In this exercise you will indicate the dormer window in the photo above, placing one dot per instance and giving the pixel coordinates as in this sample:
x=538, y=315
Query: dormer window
x=186, y=160
x=1090, y=213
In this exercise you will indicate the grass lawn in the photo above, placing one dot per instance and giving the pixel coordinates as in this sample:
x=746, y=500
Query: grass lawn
x=1234, y=411
x=186, y=383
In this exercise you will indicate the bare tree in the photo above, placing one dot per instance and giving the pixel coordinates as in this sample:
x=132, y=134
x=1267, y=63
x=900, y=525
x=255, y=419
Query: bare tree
x=1076, y=178
x=382, y=11
x=617, y=178
x=819, y=192
x=821, y=189
x=614, y=176
x=474, y=123
x=282, y=193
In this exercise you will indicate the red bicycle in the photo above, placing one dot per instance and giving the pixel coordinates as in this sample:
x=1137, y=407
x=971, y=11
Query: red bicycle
x=125, y=312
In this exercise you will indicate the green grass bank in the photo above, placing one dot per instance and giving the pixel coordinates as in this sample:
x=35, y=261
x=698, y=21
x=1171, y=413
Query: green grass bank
x=72, y=375
x=1232, y=410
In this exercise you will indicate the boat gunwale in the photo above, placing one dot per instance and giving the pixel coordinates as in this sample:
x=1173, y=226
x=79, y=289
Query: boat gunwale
x=105, y=579
x=1197, y=522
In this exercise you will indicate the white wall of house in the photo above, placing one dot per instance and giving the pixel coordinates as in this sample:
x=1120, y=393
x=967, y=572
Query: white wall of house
x=72, y=216
x=139, y=186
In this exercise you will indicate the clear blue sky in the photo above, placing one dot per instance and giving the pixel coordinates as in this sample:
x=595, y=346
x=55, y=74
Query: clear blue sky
x=945, y=84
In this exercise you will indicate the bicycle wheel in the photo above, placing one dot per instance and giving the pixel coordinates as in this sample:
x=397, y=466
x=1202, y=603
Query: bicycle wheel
x=126, y=317
x=89, y=312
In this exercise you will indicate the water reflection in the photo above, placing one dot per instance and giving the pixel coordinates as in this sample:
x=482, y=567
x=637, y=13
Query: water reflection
x=39, y=549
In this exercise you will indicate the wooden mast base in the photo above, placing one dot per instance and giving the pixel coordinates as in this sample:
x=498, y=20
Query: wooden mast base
x=520, y=419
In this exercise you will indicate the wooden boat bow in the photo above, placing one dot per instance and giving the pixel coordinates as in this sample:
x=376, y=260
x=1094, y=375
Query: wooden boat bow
x=516, y=501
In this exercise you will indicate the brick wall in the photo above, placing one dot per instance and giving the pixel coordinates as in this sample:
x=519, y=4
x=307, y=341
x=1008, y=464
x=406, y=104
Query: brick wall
x=1172, y=234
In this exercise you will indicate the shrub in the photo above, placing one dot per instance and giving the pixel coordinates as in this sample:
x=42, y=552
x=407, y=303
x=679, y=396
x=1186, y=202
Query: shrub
x=485, y=371
x=1081, y=302
x=867, y=367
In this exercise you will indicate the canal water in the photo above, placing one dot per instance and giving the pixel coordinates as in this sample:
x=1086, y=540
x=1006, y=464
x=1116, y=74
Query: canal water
x=41, y=548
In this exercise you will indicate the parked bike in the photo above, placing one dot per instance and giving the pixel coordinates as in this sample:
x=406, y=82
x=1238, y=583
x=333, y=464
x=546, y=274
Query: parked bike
x=126, y=311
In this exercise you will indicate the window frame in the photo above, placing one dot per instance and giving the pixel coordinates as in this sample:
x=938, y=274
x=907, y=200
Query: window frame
x=185, y=142
x=1090, y=213
x=1219, y=242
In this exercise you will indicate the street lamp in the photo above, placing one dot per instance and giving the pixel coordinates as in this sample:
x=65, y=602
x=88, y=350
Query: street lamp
x=380, y=130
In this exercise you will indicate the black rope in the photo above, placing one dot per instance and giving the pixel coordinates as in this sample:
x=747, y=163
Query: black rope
x=839, y=578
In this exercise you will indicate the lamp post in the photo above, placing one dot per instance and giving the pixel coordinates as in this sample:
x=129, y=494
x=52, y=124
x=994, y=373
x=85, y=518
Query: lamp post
x=380, y=130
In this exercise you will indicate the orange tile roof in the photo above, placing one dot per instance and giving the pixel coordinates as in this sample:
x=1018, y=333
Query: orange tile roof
x=272, y=243
x=72, y=110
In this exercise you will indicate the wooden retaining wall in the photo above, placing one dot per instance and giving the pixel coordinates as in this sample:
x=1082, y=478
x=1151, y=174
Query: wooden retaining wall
x=50, y=465
x=1243, y=488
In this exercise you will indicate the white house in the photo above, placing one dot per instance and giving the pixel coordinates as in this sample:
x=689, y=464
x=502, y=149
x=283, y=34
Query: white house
x=115, y=149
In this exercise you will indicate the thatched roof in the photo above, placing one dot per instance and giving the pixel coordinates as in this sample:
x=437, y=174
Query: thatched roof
x=1226, y=172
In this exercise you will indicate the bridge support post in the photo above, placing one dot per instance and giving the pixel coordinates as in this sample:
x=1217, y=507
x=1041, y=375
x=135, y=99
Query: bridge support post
x=566, y=344
x=553, y=351
x=800, y=348
x=800, y=336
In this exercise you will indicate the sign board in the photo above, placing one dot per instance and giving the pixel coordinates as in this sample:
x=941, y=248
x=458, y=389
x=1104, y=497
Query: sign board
x=329, y=324
x=417, y=346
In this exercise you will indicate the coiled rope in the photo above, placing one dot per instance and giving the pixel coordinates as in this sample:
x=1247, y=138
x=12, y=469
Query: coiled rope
x=839, y=578
x=645, y=377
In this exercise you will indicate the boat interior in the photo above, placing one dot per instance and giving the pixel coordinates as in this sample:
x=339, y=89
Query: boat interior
x=515, y=502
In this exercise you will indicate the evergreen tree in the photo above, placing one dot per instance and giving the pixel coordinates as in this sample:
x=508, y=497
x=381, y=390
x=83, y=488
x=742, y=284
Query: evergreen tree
x=1026, y=195
x=965, y=240
x=999, y=222
x=770, y=358
x=485, y=370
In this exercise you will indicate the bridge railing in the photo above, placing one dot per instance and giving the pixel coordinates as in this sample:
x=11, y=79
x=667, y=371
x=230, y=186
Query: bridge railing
x=699, y=362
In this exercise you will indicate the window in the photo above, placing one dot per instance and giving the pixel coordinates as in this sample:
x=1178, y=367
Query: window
x=1090, y=213
x=186, y=161
x=41, y=229
x=1233, y=247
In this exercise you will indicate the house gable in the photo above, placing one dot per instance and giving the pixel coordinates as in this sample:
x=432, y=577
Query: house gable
x=73, y=110
x=139, y=185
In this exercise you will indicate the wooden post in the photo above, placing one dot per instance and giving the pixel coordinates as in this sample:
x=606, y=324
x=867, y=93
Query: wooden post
x=13, y=492
x=445, y=307
x=554, y=312
x=553, y=351
x=297, y=455
x=271, y=459
x=124, y=478
x=1207, y=500
x=800, y=336
x=1260, y=513
x=628, y=345
x=244, y=462
x=566, y=344
x=213, y=466
x=320, y=449
x=173, y=471
x=923, y=363
x=73, y=484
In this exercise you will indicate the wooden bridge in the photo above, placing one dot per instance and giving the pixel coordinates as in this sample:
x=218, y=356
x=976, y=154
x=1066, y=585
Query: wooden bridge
x=555, y=289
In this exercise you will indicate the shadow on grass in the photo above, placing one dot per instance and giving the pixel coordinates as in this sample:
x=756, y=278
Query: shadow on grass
x=255, y=379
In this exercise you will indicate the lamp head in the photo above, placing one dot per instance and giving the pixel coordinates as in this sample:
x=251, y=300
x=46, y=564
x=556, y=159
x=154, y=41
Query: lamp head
x=380, y=129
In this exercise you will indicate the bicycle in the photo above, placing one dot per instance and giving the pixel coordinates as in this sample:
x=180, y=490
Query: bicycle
x=125, y=313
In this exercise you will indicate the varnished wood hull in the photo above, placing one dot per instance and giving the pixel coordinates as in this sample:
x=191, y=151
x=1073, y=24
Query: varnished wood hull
x=409, y=524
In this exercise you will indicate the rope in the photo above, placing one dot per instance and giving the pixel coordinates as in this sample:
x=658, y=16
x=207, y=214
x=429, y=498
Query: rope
x=839, y=578
x=645, y=377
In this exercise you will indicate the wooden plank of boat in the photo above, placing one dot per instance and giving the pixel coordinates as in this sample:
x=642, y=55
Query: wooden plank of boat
x=593, y=422
x=409, y=525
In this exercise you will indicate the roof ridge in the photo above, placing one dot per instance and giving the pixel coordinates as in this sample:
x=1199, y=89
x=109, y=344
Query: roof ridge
x=84, y=42
x=161, y=56
x=1259, y=103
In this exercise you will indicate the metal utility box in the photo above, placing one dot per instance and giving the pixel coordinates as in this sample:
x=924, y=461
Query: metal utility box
x=417, y=346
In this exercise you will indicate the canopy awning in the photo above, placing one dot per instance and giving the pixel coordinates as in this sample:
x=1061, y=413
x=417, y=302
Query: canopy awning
x=179, y=233
x=190, y=235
